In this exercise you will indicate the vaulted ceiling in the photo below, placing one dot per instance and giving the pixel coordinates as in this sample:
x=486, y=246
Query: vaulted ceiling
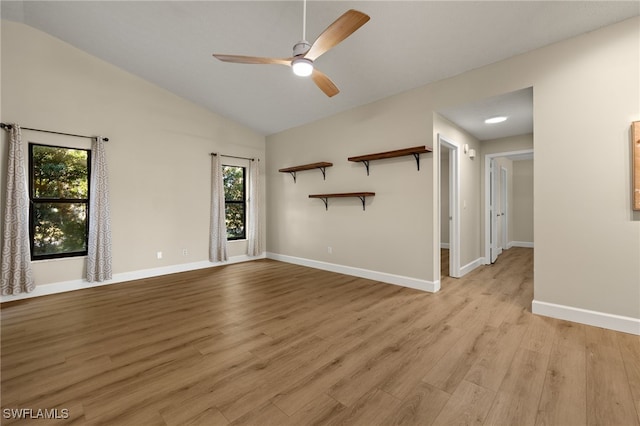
x=406, y=44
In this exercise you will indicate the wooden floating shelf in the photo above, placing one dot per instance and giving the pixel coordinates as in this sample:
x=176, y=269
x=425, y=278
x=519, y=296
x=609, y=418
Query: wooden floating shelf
x=361, y=195
x=293, y=170
x=415, y=151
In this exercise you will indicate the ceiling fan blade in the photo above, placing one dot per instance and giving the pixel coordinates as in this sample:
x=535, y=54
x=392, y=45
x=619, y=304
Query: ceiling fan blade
x=342, y=28
x=324, y=83
x=253, y=59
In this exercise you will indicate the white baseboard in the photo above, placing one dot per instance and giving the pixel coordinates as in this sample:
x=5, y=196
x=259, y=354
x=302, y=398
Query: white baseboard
x=61, y=287
x=585, y=316
x=444, y=246
x=384, y=277
x=525, y=244
x=471, y=266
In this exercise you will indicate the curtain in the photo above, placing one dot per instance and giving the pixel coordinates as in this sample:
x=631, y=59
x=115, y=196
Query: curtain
x=218, y=232
x=99, y=249
x=255, y=240
x=16, y=251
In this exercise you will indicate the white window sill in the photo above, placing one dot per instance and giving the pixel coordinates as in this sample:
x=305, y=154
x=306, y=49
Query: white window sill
x=58, y=259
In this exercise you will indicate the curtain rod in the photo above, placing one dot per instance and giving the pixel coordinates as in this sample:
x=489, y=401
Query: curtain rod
x=233, y=156
x=9, y=127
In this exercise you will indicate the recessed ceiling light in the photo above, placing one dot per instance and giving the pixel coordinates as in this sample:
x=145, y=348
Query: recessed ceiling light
x=494, y=120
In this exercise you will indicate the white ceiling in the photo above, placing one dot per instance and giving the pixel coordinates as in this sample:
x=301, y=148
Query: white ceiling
x=516, y=106
x=406, y=44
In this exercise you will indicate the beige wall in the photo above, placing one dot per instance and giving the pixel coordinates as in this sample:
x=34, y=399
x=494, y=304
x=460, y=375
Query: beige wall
x=585, y=95
x=158, y=153
x=508, y=144
x=522, y=201
x=389, y=235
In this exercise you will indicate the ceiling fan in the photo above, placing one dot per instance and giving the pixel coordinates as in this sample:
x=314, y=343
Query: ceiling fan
x=304, y=54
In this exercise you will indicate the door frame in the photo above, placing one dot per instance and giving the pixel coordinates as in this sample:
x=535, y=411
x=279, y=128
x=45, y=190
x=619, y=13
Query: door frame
x=487, y=196
x=454, y=204
x=504, y=207
x=495, y=251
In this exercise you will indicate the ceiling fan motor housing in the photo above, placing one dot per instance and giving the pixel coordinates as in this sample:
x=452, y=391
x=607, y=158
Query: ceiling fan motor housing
x=301, y=48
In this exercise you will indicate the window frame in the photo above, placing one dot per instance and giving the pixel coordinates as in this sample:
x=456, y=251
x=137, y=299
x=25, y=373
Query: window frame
x=33, y=200
x=242, y=202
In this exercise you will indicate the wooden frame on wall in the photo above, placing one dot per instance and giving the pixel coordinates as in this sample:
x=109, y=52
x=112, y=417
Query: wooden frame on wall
x=635, y=152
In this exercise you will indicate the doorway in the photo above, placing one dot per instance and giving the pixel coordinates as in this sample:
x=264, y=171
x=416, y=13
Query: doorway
x=497, y=201
x=498, y=204
x=503, y=207
x=449, y=208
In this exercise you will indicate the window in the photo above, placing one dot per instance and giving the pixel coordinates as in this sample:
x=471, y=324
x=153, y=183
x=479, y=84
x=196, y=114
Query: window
x=235, y=201
x=59, y=194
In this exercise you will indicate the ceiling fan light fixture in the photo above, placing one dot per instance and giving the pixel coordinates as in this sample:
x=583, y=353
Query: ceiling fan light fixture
x=495, y=120
x=304, y=53
x=302, y=67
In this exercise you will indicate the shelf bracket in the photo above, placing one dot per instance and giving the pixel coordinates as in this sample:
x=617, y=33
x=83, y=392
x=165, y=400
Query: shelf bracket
x=366, y=164
x=294, y=176
x=417, y=157
x=324, y=173
x=363, y=198
x=326, y=203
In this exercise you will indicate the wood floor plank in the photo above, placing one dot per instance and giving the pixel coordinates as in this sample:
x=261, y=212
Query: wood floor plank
x=56, y=378
x=571, y=335
x=493, y=362
x=453, y=366
x=421, y=407
x=630, y=351
x=266, y=414
x=317, y=412
x=375, y=371
x=609, y=399
x=277, y=373
x=517, y=399
x=193, y=411
x=372, y=370
x=368, y=410
x=418, y=361
x=564, y=395
x=540, y=335
x=109, y=403
x=468, y=405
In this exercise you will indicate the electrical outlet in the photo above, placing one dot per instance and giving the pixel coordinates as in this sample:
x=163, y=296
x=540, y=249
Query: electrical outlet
x=185, y=252
x=159, y=255
x=330, y=250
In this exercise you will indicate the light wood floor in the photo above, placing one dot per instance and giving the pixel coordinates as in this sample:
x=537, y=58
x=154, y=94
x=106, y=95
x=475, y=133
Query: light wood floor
x=444, y=263
x=268, y=343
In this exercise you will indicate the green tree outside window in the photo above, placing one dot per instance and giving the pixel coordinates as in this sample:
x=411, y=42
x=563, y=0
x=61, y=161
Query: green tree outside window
x=235, y=201
x=59, y=192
